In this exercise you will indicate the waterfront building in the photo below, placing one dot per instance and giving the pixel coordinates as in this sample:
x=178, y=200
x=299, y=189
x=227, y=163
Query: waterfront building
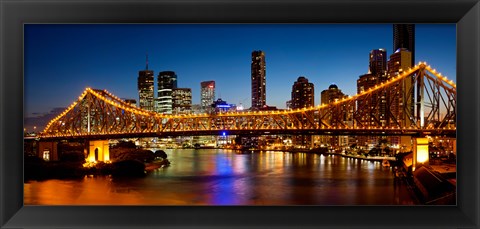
x=207, y=99
x=131, y=102
x=196, y=109
x=378, y=67
x=288, y=104
x=145, y=83
x=302, y=93
x=182, y=100
x=268, y=108
x=366, y=81
x=240, y=107
x=207, y=96
x=399, y=62
x=378, y=63
x=401, y=96
x=221, y=106
x=373, y=109
x=166, y=81
x=330, y=95
x=404, y=37
x=258, y=77
x=369, y=108
x=303, y=96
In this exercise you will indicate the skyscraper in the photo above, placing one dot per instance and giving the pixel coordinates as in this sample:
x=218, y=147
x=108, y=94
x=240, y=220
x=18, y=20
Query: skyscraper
x=372, y=108
x=182, y=100
x=302, y=93
x=403, y=96
x=302, y=96
x=378, y=70
x=378, y=63
x=404, y=37
x=332, y=94
x=145, y=84
x=259, y=92
x=167, y=81
x=207, y=96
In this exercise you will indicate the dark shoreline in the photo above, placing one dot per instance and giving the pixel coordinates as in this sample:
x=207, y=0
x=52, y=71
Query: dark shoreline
x=42, y=170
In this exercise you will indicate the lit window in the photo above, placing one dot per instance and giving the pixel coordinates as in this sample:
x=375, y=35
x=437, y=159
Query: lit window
x=46, y=155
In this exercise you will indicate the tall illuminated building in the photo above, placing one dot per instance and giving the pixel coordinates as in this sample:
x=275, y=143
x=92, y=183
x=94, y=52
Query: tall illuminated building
x=378, y=70
x=378, y=63
x=371, y=108
x=182, y=100
x=404, y=37
x=259, y=92
x=402, y=59
x=207, y=96
x=167, y=81
x=303, y=96
x=302, y=93
x=145, y=83
x=374, y=107
x=131, y=102
x=401, y=97
x=331, y=95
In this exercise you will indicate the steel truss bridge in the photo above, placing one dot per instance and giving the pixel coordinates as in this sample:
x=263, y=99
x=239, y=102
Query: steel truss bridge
x=418, y=102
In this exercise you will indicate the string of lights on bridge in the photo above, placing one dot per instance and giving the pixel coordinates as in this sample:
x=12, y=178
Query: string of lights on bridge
x=374, y=129
x=117, y=102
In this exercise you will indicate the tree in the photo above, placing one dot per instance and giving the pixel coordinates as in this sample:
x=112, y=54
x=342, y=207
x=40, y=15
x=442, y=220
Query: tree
x=383, y=141
x=387, y=150
x=161, y=154
x=374, y=151
x=125, y=144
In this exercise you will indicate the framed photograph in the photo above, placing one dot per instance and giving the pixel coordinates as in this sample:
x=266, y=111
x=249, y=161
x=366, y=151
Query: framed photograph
x=206, y=114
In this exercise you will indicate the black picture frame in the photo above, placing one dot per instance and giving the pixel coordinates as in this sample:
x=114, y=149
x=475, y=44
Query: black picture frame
x=13, y=15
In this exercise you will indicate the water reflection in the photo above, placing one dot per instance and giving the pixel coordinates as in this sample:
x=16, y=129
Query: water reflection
x=222, y=177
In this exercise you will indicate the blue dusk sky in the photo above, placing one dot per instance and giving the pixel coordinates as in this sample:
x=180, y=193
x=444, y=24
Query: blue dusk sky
x=62, y=60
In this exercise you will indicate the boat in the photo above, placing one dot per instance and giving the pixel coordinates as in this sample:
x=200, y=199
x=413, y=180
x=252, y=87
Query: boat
x=198, y=146
x=243, y=152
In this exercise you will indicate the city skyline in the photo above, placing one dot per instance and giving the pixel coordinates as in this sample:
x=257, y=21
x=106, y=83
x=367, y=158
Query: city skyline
x=196, y=58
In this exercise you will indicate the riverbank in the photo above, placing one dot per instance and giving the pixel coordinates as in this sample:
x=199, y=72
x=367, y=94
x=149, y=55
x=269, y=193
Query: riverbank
x=156, y=164
x=324, y=152
x=38, y=169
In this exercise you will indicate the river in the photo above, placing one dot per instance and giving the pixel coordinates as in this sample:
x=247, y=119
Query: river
x=223, y=177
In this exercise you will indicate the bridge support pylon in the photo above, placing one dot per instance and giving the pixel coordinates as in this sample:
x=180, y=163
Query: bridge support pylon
x=98, y=151
x=420, y=152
